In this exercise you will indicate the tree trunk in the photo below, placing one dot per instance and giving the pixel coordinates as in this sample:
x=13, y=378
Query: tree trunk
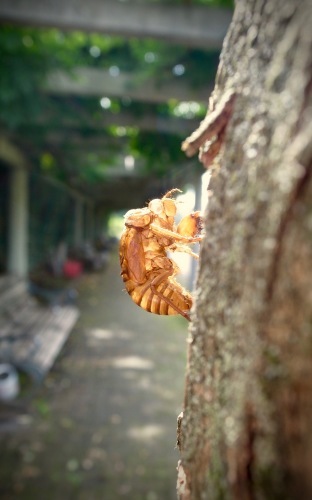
x=246, y=431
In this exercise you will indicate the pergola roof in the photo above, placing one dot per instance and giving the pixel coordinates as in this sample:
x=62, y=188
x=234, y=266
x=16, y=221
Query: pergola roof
x=189, y=25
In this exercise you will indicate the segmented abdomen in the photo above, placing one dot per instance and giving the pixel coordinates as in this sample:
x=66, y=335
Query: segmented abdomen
x=161, y=299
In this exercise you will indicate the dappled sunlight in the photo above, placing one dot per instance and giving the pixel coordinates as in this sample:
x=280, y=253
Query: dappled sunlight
x=164, y=393
x=146, y=432
x=121, y=333
x=144, y=383
x=100, y=333
x=109, y=410
x=141, y=381
x=95, y=336
x=134, y=362
x=129, y=375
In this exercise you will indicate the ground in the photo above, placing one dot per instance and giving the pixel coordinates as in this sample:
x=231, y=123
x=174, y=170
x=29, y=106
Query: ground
x=103, y=424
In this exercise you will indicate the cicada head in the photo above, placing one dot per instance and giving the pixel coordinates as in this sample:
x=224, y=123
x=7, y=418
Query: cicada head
x=165, y=207
x=138, y=217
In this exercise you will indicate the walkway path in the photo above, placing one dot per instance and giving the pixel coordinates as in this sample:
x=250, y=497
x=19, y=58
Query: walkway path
x=103, y=425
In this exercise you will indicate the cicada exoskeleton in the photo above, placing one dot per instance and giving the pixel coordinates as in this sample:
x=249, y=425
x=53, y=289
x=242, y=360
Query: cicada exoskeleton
x=147, y=271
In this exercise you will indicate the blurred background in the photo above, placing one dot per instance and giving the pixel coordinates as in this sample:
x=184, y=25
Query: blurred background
x=95, y=100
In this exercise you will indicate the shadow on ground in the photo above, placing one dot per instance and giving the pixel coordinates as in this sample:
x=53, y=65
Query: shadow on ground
x=103, y=425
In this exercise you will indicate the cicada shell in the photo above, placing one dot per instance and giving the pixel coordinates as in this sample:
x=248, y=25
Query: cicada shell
x=147, y=271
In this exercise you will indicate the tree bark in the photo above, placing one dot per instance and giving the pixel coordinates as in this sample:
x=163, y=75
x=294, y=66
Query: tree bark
x=246, y=427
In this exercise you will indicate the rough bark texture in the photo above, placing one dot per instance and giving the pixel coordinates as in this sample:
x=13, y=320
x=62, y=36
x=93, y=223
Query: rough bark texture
x=246, y=428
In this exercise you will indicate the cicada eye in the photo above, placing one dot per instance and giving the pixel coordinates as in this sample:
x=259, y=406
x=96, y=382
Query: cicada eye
x=156, y=206
x=169, y=207
x=138, y=217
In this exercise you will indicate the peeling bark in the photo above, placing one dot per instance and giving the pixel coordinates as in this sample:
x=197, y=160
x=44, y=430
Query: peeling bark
x=246, y=426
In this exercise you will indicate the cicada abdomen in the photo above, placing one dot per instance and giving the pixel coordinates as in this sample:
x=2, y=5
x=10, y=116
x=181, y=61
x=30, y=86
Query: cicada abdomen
x=156, y=291
x=165, y=298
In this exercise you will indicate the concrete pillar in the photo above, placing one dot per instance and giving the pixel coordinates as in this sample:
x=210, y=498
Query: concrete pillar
x=18, y=223
x=102, y=222
x=78, y=235
x=90, y=223
x=96, y=223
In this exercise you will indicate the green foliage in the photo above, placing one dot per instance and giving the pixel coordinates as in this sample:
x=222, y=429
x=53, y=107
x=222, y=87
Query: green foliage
x=42, y=407
x=19, y=77
x=26, y=57
x=50, y=127
x=159, y=150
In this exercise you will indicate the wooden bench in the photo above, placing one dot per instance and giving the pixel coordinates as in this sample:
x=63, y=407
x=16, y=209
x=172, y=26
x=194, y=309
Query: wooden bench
x=31, y=333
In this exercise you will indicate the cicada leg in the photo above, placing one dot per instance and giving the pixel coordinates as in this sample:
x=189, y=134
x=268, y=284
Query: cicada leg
x=159, y=279
x=167, y=233
x=190, y=225
x=175, y=247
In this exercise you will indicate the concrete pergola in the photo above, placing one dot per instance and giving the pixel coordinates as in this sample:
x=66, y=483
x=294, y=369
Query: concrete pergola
x=99, y=82
x=189, y=25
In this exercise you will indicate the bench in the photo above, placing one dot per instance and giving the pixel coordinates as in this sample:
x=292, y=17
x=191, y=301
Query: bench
x=32, y=333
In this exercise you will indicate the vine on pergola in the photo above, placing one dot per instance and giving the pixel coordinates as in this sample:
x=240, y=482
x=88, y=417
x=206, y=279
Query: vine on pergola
x=46, y=123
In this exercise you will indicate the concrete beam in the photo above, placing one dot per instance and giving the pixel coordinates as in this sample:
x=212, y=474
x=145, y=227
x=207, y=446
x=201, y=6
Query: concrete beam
x=192, y=25
x=146, y=122
x=99, y=82
x=149, y=122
